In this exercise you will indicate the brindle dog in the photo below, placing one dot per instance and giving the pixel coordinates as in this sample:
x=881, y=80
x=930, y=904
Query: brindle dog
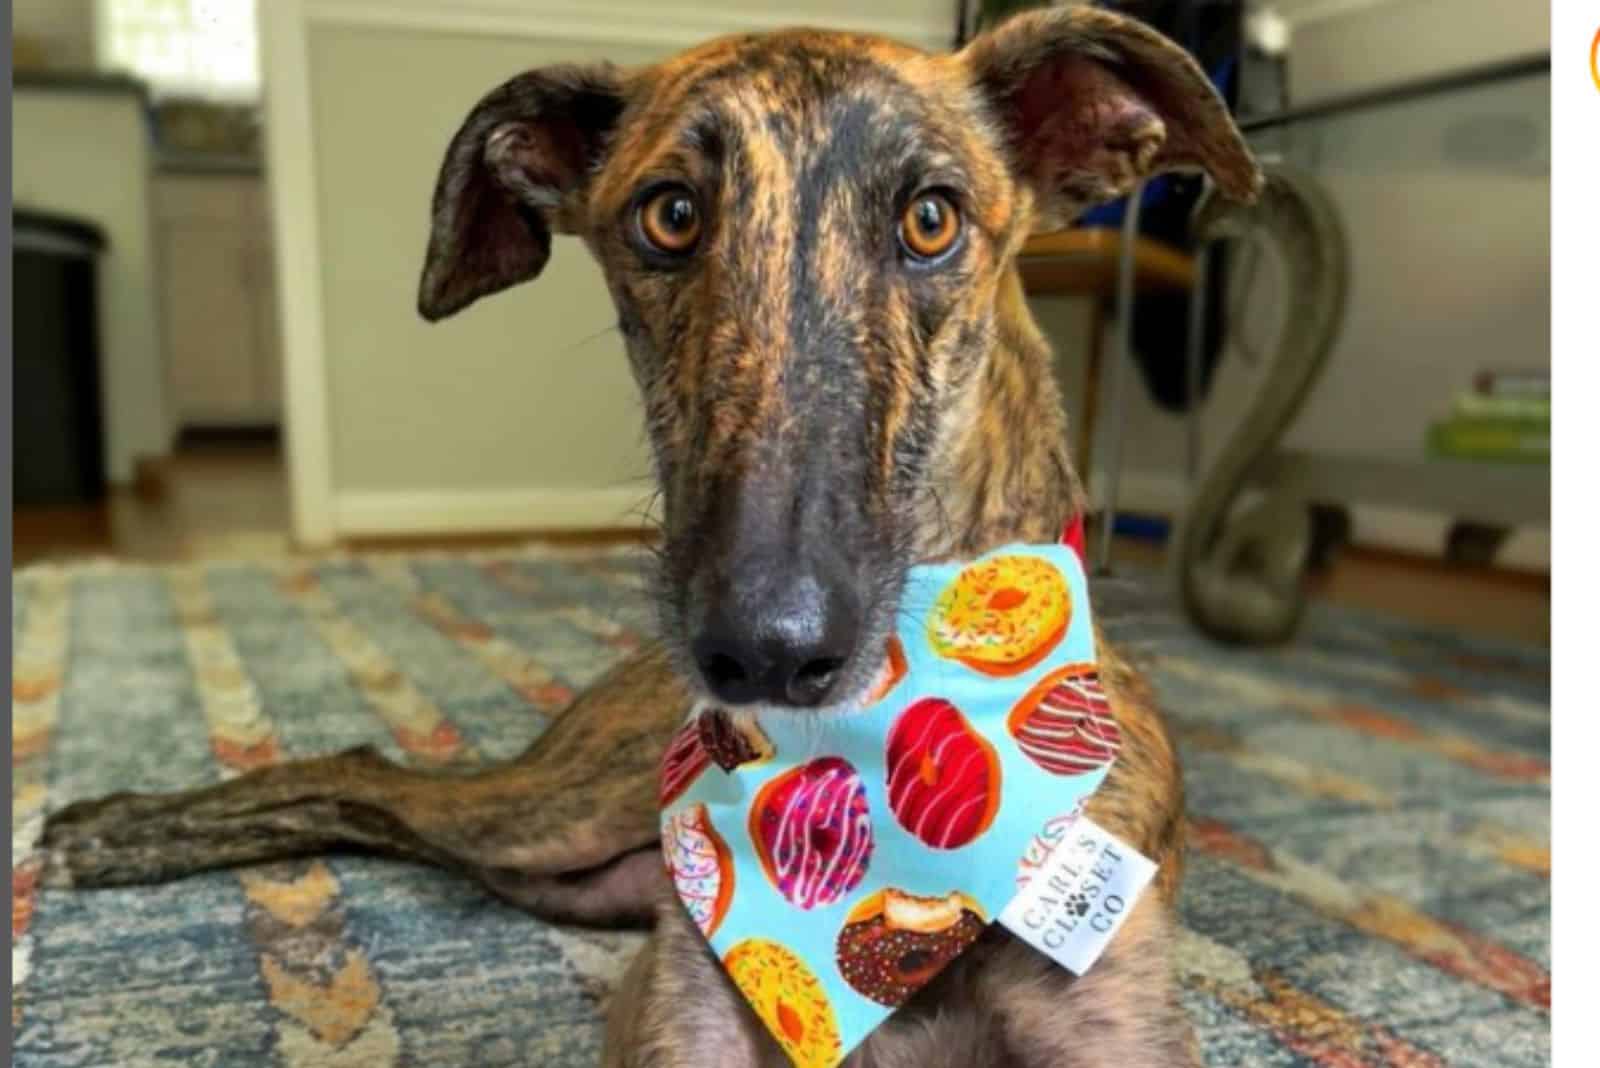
x=810, y=238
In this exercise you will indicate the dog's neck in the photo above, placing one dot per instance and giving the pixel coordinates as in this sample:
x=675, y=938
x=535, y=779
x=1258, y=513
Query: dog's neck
x=1002, y=473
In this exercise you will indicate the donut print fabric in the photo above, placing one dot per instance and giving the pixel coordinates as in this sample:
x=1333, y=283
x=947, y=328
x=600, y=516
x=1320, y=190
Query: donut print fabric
x=944, y=778
x=812, y=832
x=894, y=942
x=1064, y=724
x=700, y=866
x=685, y=759
x=1002, y=615
x=790, y=1000
x=838, y=860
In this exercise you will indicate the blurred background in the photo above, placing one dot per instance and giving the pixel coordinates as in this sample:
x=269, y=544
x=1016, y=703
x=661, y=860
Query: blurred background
x=221, y=212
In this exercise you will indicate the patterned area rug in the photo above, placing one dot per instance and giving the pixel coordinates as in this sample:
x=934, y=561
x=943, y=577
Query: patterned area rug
x=1369, y=879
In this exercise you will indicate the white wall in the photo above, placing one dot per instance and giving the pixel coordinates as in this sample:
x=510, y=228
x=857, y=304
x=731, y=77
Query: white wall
x=514, y=415
x=62, y=31
x=1343, y=46
x=86, y=153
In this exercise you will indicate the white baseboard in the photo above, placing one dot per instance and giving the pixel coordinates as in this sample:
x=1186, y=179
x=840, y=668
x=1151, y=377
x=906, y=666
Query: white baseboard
x=362, y=513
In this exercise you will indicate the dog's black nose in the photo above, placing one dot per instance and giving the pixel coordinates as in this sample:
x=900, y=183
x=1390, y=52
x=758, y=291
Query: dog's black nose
x=777, y=638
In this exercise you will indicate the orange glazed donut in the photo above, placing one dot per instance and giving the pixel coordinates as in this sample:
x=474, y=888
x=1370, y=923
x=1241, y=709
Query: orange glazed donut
x=789, y=1000
x=1001, y=616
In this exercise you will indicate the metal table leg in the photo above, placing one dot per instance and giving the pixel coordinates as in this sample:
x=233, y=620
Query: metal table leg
x=1192, y=371
x=1240, y=573
x=1120, y=359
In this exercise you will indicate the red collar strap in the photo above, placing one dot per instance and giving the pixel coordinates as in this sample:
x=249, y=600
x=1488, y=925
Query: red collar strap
x=1072, y=534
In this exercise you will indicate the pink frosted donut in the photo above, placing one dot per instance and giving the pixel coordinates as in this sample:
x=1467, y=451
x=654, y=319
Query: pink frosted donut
x=812, y=832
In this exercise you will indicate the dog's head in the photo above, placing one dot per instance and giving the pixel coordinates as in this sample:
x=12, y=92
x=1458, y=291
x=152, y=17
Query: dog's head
x=804, y=234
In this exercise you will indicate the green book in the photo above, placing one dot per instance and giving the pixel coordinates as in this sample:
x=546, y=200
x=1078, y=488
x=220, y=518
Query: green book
x=1508, y=440
x=1501, y=406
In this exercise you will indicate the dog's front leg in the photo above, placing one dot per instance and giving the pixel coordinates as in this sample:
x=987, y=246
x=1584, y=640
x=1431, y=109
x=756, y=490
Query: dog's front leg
x=567, y=830
x=676, y=1007
x=1122, y=1013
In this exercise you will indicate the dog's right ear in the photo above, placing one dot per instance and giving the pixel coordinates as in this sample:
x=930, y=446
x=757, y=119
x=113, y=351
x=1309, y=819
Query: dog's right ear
x=515, y=171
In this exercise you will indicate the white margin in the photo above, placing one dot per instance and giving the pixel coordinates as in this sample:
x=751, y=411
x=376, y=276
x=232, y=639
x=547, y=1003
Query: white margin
x=1575, y=516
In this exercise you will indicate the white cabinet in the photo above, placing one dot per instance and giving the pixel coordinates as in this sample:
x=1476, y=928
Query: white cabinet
x=218, y=305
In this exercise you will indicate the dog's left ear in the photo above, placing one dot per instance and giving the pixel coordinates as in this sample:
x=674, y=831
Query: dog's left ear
x=1090, y=102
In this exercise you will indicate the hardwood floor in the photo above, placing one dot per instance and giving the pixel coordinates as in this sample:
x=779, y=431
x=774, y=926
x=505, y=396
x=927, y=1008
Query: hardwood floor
x=230, y=499
x=220, y=499
x=1484, y=600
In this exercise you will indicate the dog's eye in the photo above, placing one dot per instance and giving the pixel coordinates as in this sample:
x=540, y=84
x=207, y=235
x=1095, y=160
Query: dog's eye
x=930, y=226
x=669, y=221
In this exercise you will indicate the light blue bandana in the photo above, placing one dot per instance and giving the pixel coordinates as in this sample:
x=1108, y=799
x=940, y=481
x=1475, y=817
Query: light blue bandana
x=836, y=862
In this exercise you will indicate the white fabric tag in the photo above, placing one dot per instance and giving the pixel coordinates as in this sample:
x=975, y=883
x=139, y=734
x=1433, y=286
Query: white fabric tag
x=1074, y=901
